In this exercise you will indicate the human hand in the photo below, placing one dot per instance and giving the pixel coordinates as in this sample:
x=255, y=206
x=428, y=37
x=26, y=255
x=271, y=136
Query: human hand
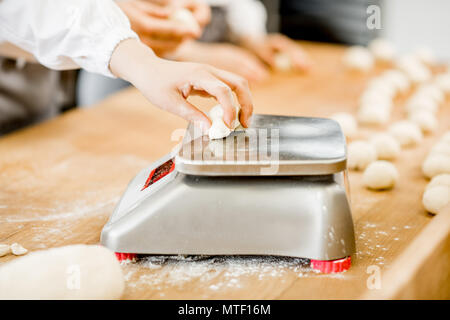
x=224, y=56
x=168, y=84
x=150, y=20
x=268, y=47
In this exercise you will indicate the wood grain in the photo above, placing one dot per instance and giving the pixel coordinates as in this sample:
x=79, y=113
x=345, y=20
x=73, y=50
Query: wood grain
x=60, y=180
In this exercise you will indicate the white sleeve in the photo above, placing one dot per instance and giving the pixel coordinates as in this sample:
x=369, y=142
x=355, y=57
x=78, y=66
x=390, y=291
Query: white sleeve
x=66, y=34
x=247, y=18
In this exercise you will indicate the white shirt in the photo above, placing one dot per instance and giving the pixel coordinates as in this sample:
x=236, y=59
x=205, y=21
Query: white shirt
x=244, y=17
x=66, y=34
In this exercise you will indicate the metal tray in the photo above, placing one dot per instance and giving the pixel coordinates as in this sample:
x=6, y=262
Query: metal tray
x=272, y=145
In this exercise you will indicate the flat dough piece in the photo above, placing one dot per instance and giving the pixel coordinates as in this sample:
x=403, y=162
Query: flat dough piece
x=71, y=272
x=4, y=249
x=18, y=250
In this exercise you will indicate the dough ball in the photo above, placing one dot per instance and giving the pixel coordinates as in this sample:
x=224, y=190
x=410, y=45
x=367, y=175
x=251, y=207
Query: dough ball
x=426, y=120
x=360, y=155
x=347, y=122
x=419, y=102
x=283, y=62
x=407, y=133
x=185, y=17
x=380, y=175
x=436, y=164
x=431, y=91
x=425, y=55
x=414, y=68
x=382, y=49
x=373, y=114
x=439, y=180
x=216, y=112
x=71, y=272
x=443, y=82
x=358, y=58
x=386, y=146
x=371, y=97
x=397, y=79
x=441, y=148
x=436, y=198
x=382, y=87
x=4, y=249
x=18, y=250
x=218, y=129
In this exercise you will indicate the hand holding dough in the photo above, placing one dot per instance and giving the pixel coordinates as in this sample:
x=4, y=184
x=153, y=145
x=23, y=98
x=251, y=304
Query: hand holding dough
x=72, y=272
x=218, y=128
x=380, y=175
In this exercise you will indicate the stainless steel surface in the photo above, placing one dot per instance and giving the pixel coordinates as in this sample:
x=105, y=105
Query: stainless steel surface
x=286, y=216
x=214, y=212
x=273, y=145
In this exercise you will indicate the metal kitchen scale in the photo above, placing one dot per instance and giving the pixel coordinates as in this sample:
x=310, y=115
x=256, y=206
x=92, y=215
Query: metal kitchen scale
x=279, y=188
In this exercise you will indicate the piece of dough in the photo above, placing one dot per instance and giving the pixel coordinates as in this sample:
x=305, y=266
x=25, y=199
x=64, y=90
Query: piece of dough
x=436, y=198
x=71, y=272
x=426, y=120
x=358, y=58
x=417, y=103
x=4, y=249
x=432, y=91
x=283, y=62
x=436, y=164
x=373, y=114
x=185, y=17
x=360, y=155
x=425, y=54
x=407, y=133
x=386, y=145
x=347, y=122
x=382, y=49
x=414, y=68
x=380, y=175
x=441, y=148
x=439, y=180
x=443, y=82
x=397, y=79
x=18, y=250
x=218, y=129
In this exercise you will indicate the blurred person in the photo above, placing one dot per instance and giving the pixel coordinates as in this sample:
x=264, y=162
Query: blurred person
x=96, y=36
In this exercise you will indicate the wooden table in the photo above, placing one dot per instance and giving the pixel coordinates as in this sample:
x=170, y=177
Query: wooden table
x=60, y=180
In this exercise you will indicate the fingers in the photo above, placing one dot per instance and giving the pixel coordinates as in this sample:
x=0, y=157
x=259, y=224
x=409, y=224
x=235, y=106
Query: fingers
x=240, y=86
x=189, y=112
x=219, y=90
x=200, y=11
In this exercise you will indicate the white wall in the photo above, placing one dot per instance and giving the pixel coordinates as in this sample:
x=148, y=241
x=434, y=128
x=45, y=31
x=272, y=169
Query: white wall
x=411, y=23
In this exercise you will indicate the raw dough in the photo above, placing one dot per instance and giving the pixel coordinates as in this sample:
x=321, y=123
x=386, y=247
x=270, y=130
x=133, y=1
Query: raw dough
x=347, y=122
x=426, y=120
x=439, y=180
x=417, y=103
x=436, y=198
x=387, y=147
x=72, y=272
x=360, y=155
x=407, y=133
x=432, y=91
x=283, y=62
x=218, y=128
x=373, y=114
x=436, y=164
x=425, y=55
x=382, y=49
x=397, y=79
x=358, y=58
x=443, y=82
x=185, y=17
x=4, y=249
x=18, y=250
x=380, y=175
x=414, y=68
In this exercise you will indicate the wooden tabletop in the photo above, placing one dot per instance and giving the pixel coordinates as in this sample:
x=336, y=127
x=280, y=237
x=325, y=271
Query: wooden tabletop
x=60, y=181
